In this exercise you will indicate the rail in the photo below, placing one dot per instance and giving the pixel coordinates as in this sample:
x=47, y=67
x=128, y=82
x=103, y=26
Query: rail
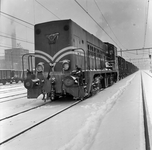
x=146, y=132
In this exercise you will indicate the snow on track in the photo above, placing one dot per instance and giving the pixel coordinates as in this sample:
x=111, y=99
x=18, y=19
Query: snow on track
x=86, y=135
x=74, y=129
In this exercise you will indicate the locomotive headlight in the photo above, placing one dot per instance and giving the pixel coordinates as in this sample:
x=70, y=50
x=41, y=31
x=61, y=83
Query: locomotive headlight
x=68, y=81
x=66, y=64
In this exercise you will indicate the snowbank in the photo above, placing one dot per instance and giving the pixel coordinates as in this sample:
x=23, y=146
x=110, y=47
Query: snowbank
x=86, y=135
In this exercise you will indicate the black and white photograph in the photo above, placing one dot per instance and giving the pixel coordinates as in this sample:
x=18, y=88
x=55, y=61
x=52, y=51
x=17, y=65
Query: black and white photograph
x=75, y=74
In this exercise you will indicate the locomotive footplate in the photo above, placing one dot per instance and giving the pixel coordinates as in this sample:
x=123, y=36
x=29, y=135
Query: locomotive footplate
x=33, y=93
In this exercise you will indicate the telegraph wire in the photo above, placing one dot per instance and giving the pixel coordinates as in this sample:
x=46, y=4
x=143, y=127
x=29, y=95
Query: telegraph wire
x=96, y=23
x=148, y=48
x=5, y=46
x=16, y=39
x=17, y=18
x=11, y=35
x=146, y=20
x=48, y=9
x=107, y=22
x=34, y=11
x=17, y=22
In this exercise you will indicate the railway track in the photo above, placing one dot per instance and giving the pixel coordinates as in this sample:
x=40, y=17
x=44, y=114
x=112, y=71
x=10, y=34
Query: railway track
x=21, y=112
x=146, y=130
x=11, y=89
x=41, y=116
x=34, y=122
x=13, y=84
x=39, y=122
x=13, y=97
x=148, y=74
x=12, y=93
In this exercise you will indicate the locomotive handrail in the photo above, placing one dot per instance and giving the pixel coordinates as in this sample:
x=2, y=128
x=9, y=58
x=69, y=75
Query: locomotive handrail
x=31, y=55
x=84, y=55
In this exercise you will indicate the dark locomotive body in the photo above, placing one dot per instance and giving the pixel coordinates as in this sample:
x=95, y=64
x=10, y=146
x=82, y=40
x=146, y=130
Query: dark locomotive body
x=70, y=61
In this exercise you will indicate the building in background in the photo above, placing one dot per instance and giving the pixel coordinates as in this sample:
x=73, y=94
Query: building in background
x=13, y=58
x=2, y=62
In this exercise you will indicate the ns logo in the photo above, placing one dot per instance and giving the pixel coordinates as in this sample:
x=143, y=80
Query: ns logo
x=52, y=38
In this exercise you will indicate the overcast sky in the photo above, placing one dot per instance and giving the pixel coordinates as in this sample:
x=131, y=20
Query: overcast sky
x=126, y=21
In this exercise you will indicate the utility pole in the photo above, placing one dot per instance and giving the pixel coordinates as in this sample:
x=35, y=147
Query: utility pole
x=150, y=63
x=0, y=13
x=0, y=4
x=121, y=52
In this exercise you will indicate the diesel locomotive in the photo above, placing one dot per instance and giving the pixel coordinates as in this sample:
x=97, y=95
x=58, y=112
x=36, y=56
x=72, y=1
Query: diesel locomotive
x=68, y=60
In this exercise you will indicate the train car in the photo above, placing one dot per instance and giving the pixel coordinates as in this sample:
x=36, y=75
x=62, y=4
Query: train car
x=125, y=68
x=5, y=76
x=122, y=68
x=131, y=68
x=69, y=61
x=10, y=76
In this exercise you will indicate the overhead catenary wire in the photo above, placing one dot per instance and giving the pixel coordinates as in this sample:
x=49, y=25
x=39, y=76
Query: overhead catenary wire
x=146, y=22
x=5, y=46
x=17, y=18
x=17, y=21
x=16, y=39
x=136, y=49
x=96, y=23
x=107, y=23
x=48, y=10
x=12, y=36
x=34, y=11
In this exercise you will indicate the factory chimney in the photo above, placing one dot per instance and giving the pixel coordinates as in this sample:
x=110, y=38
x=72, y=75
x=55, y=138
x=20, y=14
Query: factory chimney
x=13, y=34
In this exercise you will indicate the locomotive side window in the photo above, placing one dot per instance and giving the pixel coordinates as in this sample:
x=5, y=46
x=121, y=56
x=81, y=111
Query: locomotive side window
x=88, y=56
x=95, y=58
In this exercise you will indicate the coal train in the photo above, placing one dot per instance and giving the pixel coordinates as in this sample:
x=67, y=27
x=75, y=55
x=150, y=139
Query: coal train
x=69, y=61
x=10, y=76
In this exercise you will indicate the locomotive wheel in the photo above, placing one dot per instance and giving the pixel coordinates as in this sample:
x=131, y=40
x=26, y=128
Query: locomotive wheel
x=111, y=80
x=91, y=91
x=106, y=82
x=4, y=82
x=16, y=81
x=52, y=97
x=86, y=94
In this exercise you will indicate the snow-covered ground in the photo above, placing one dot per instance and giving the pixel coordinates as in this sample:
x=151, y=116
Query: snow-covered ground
x=112, y=119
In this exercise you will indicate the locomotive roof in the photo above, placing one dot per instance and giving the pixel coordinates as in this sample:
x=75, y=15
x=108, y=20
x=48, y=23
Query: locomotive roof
x=67, y=20
x=72, y=22
x=54, y=21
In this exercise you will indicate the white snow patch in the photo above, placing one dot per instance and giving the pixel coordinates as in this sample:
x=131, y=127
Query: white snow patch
x=86, y=135
x=40, y=97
